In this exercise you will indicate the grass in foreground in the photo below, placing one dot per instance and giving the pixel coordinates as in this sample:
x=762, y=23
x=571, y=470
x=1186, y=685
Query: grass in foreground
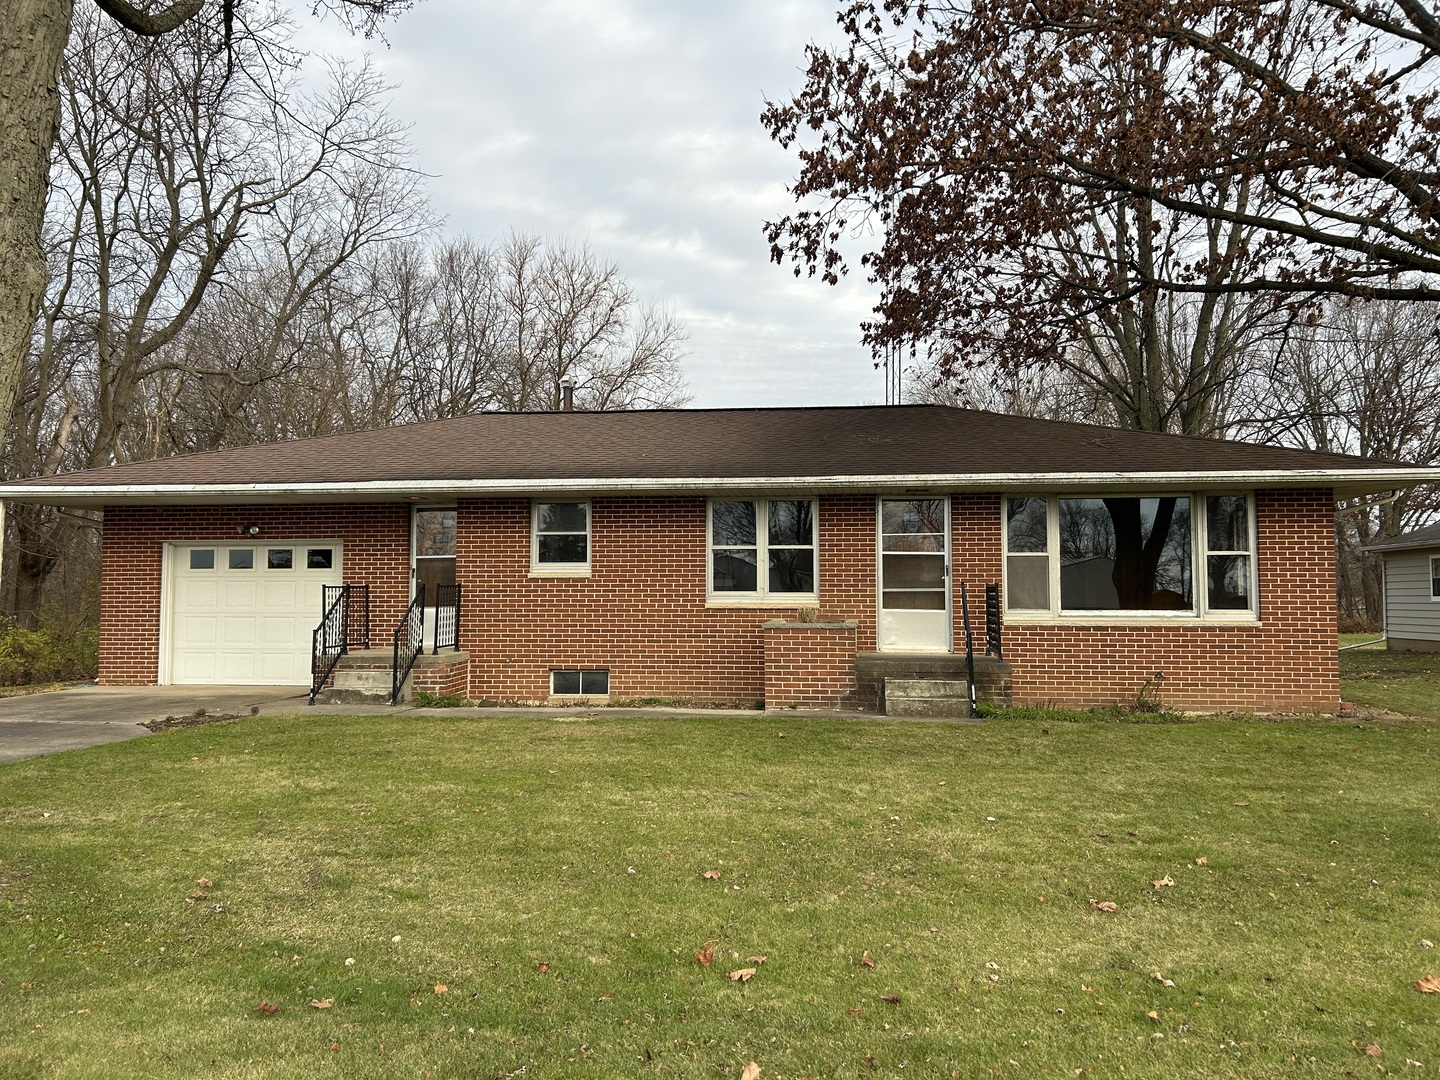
x=1404, y=682
x=526, y=894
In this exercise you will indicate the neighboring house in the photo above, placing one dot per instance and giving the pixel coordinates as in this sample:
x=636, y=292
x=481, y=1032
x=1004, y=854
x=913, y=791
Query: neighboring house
x=674, y=554
x=1412, y=589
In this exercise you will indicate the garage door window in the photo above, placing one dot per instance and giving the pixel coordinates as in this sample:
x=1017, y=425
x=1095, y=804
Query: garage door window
x=202, y=558
x=242, y=558
x=319, y=559
x=280, y=559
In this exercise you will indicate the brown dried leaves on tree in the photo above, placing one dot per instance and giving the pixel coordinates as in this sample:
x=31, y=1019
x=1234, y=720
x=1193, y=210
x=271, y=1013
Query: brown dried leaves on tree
x=1046, y=175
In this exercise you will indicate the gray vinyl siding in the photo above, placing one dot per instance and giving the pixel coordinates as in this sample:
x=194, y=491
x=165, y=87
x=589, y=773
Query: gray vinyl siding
x=1409, y=610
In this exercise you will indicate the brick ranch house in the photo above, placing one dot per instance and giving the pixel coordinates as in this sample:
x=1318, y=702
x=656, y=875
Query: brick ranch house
x=735, y=556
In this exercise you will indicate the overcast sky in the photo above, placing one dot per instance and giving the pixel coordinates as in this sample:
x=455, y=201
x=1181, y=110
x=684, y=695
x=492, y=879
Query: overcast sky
x=633, y=125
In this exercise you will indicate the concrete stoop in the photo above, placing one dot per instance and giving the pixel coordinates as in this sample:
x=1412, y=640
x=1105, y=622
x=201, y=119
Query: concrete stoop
x=928, y=697
x=363, y=677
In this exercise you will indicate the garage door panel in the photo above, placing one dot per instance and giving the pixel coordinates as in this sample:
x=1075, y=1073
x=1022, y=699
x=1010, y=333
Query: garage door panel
x=246, y=625
x=201, y=595
x=239, y=594
x=198, y=629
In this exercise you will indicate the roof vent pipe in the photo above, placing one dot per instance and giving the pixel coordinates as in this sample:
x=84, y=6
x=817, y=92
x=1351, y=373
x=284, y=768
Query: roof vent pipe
x=567, y=394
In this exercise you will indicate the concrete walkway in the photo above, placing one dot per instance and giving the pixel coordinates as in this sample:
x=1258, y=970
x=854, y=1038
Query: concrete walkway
x=35, y=724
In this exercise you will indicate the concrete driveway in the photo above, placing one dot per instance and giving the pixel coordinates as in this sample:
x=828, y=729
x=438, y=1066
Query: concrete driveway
x=35, y=724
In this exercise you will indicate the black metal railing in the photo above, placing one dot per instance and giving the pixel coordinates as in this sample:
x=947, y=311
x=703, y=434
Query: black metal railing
x=447, y=617
x=344, y=625
x=969, y=648
x=409, y=643
x=992, y=622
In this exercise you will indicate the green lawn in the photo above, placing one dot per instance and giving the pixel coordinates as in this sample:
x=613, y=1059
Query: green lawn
x=546, y=874
x=1404, y=682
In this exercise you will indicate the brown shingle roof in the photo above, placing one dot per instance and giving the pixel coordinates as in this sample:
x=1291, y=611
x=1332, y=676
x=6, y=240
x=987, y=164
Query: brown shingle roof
x=913, y=441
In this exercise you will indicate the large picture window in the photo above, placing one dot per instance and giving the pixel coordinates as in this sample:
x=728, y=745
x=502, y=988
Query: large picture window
x=1130, y=555
x=762, y=549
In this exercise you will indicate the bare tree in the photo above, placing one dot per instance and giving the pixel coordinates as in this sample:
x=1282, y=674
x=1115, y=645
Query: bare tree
x=1364, y=379
x=33, y=36
x=180, y=169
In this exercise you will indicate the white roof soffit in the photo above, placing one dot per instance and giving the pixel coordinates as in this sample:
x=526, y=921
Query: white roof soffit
x=1346, y=483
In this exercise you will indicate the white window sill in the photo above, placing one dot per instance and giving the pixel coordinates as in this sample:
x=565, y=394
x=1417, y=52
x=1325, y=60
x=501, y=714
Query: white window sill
x=1182, y=619
x=560, y=571
x=750, y=600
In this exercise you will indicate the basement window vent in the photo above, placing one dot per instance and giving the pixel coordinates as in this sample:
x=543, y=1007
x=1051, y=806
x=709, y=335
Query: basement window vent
x=581, y=683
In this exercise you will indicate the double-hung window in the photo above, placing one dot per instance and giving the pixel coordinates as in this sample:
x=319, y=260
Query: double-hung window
x=1164, y=555
x=1435, y=577
x=560, y=537
x=762, y=550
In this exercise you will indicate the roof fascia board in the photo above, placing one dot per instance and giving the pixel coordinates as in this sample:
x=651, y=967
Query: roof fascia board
x=1346, y=482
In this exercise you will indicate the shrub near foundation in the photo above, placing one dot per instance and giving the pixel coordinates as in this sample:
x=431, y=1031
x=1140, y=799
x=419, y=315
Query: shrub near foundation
x=47, y=655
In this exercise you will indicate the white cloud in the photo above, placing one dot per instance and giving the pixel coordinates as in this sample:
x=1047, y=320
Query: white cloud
x=633, y=125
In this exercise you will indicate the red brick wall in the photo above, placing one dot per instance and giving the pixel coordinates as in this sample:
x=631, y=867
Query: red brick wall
x=443, y=679
x=642, y=611
x=1286, y=662
x=376, y=541
x=809, y=666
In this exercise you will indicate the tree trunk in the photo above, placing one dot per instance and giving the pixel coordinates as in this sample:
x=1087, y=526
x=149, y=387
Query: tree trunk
x=32, y=42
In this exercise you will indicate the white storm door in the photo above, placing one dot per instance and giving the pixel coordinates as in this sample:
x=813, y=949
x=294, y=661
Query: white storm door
x=243, y=613
x=914, y=562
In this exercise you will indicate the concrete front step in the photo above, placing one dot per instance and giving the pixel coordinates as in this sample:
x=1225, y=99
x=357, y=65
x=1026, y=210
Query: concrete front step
x=874, y=669
x=927, y=697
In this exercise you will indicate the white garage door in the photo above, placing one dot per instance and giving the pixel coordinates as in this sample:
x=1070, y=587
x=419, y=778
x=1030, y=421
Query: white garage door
x=244, y=613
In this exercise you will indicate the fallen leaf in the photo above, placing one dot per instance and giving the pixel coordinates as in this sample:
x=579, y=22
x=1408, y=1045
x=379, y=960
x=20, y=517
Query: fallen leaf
x=865, y=959
x=890, y=999
x=1428, y=984
x=1242, y=804
x=1164, y=883
x=710, y=875
x=1104, y=905
x=334, y=1046
x=441, y=988
x=1153, y=1015
x=870, y=1062
x=1371, y=1050
x=1202, y=861
x=204, y=883
x=990, y=965
x=1426, y=943
x=852, y=1012
x=1161, y=979
x=750, y=1072
x=83, y=1012
x=759, y=958
x=197, y=895
x=705, y=955
x=321, y=1004
x=542, y=967
x=268, y=1009
x=742, y=975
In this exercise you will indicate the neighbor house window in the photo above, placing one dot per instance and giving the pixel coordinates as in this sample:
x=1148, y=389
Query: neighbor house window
x=762, y=549
x=560, y=536
x=1130, y=555
x=1435, y=577
x=585, y=682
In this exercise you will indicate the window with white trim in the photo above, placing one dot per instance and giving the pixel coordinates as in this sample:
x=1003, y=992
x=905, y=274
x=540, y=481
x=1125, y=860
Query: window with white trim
x=1435, y=577
x=762, y=549
x=1126, y=556
x=560, y=536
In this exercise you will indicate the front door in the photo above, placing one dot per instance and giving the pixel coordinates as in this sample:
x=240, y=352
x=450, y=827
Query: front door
x=915, y=575
x=434, y=548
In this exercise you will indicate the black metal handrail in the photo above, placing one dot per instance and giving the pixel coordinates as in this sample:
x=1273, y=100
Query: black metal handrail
x=447, y=617
x=992, y=622
x=969, y=648
x=410, y=631
x=344, y=624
